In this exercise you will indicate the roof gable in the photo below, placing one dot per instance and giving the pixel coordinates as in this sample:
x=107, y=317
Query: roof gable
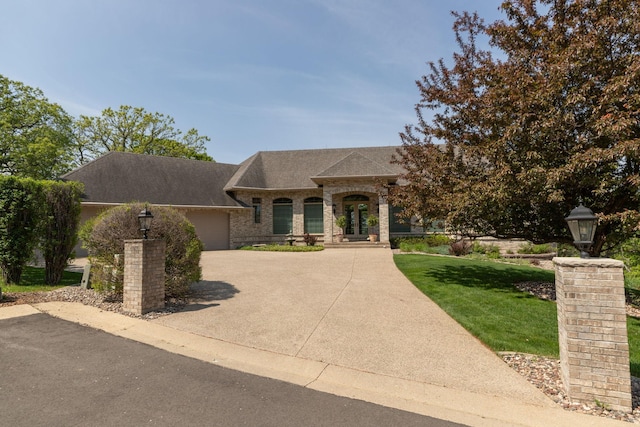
x=354, y=165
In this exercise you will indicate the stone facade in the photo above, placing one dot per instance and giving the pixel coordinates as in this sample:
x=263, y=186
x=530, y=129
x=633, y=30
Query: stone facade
x=334, y=192
x=594, y=349
x=244, y=230
x=143, y=285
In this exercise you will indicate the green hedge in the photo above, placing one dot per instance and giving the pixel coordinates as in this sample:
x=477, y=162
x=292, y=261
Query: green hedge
x=37, y=214
x=20, y=204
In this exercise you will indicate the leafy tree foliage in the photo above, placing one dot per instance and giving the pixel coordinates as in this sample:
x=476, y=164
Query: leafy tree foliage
x=547, y=116
x=104, y=238
x=20, y=201
x=138, y=131
x=36, y=136
x=59, y=226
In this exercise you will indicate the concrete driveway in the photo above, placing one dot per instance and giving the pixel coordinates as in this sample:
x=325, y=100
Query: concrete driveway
x=344, y=307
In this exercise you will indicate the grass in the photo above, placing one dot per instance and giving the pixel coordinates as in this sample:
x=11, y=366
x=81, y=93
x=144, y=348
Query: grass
x=480, y=296
x=283, y=248
x=32, y=280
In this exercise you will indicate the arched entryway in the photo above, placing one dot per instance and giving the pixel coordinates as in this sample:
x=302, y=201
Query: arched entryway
x=356, y=209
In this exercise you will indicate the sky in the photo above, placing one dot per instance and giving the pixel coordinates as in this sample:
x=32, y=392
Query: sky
x=252, y=75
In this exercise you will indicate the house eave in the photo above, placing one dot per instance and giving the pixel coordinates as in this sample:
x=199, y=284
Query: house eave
x=232, y=189
x=111, y=204
x=322, y=179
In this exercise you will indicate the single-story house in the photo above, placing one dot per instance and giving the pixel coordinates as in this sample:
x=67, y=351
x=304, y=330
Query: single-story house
x=261, y=200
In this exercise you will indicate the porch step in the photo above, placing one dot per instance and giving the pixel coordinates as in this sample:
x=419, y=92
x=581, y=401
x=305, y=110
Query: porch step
x=357, y=244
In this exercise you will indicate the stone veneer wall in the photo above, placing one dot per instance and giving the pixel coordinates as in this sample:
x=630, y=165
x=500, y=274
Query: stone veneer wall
x=243, y=229
x=594, y=349
x=143, y=284
x=333, y=193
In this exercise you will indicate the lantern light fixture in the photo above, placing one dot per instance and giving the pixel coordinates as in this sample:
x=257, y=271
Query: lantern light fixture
x=582, y=224
x=144, y=218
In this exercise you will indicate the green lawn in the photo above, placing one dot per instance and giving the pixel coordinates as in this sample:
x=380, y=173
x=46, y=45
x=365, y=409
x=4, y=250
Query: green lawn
x=479, y=294
x=33, y=281
x=633, y=334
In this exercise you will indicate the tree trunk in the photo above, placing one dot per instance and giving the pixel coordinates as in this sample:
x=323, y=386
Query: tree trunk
x=54, y=269
x=11, y=274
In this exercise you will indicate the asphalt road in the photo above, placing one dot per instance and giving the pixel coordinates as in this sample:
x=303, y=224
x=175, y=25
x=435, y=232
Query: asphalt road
x=57, y=373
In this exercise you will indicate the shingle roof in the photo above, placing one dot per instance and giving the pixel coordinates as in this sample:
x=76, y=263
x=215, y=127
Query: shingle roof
x=295, y=168
x=355, y=164
x=124, y=177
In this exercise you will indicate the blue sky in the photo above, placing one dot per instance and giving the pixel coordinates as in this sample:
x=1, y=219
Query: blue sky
x=253, y=75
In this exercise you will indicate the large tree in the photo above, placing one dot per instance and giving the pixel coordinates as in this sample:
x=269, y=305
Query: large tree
x=36, y=136
x=138, y=131
x=545, y=117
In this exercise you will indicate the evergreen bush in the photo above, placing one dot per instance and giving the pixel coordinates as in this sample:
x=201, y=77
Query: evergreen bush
x=20, y=207
x=58, y=230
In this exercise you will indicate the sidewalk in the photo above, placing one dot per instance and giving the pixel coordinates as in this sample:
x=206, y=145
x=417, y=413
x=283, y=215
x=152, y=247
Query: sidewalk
x=345, y=322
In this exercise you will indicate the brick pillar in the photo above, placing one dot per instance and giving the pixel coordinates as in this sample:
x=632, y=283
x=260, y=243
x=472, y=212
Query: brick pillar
x=592, y=326
x=143, y=285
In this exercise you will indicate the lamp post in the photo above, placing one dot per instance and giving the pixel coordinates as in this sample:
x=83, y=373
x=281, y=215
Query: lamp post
x=582, y=223
x=144, y=218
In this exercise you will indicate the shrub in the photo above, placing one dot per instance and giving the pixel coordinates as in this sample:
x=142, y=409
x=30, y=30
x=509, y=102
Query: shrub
x=437, y=240
x=372, y=221
x=478, y=248
x=310, y=240
x=567, y=250
x=491, y=251
x=530, y=248
x=20, y=203
x=419, y=243
x=105, y=235
x=629, y=253
x=59, y=226
x=460, y=248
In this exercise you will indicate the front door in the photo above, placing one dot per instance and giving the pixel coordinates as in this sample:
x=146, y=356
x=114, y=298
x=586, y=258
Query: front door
x=356, y=210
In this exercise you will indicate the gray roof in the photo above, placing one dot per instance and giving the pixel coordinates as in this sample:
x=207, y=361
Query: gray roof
x=300, y=169
x=120, y=177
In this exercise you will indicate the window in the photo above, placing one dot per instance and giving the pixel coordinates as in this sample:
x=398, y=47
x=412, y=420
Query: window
x=282, y=216
x=398, y=225
x=257, y=210
x=313, y=219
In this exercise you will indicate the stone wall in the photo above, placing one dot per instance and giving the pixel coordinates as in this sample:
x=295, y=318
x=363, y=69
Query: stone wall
x=333, y=194
x=245, y=231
